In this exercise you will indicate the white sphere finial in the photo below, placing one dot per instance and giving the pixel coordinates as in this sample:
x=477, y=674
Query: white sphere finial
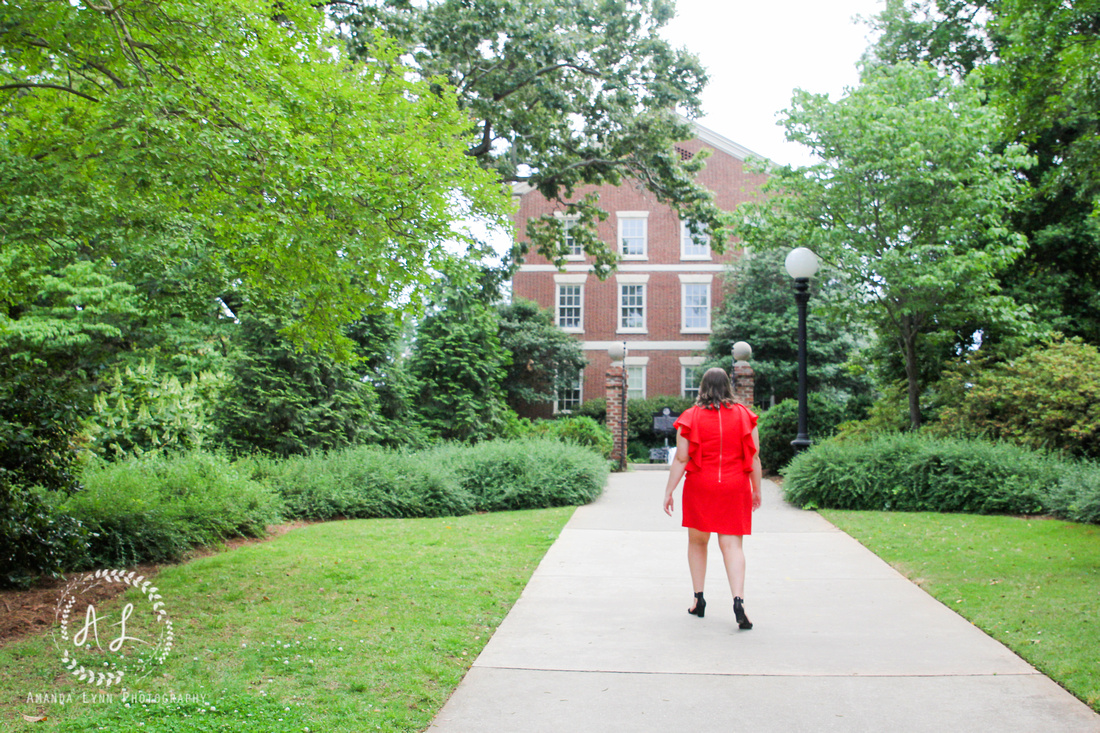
x=801, y=263
x=742, y=351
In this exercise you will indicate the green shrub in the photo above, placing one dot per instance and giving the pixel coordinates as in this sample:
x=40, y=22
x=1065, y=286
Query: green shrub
x=585, y=432
x=157, y=507
x=145, y=410
x=1076, y=494
x=40, y=425
x=778, y=426
x=1048, y=399
x=365, y=482
x=595, y=409
x=524, y=474
x=913, y=472
x=35, y=538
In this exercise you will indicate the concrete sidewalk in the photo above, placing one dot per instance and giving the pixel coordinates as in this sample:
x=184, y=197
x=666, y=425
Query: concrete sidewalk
x=600, y=639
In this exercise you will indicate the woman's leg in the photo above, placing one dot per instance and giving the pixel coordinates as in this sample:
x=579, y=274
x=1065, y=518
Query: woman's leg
x=697, y=557
x=733, y=554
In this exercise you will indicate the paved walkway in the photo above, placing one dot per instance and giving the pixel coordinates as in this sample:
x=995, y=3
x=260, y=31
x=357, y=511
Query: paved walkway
x=600, y=639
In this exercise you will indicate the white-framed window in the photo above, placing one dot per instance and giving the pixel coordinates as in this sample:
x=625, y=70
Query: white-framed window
x=573, y=249
x=695, y=303
x=635, y=377
x=568, y=398
x=632, y=303
x=691, y=370
x=693, y=246
x=570, y=298
x=569, y=302
x=633, y=234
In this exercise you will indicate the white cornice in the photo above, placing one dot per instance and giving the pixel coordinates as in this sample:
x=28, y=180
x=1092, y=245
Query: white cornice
x=723, y=143
x=647, y=345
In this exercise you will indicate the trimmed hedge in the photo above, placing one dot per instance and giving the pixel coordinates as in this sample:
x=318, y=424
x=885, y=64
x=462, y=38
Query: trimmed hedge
x=365, y=483
x=449, y=480
x=778, y=426
x=158, y=507
x=914, y=472
x=525, y=474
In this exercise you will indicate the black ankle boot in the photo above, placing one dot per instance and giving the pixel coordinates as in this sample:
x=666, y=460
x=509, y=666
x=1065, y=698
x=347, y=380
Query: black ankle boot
x=739, y=611
x=700, y=605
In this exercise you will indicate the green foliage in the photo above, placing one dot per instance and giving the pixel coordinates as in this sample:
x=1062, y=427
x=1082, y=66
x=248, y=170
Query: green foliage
x=525, y=474
x=285, y=401
x=778, y=426
x=460, y=365
x=364, y=482
x=1035, y=60
x=561, y=95
x=1076, y=494
x=908, y=204
x=1048, y=398
x=146, y=410
x=448, y=480
x=191, y=149
x=158, y=507
x=595, y=408
x=35, y=538
x=39, y=428
x=576, y=429
x=544, y=358
x=758, y=307
x=912, y=472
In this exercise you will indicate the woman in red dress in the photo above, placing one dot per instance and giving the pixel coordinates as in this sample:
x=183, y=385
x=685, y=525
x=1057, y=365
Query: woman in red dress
x=718, y=447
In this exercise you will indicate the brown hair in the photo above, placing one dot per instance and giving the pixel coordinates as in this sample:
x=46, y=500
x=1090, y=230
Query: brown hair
x=715, y=389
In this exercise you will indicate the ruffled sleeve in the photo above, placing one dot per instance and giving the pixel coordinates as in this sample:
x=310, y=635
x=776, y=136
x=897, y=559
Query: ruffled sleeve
x=684, y=425
x=748, y=448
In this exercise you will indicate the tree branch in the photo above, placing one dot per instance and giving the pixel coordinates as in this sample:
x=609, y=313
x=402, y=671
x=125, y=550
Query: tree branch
x=29, y=85
x=542, y=72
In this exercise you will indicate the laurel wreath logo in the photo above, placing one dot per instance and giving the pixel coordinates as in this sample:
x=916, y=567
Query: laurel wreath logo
x=118, y=664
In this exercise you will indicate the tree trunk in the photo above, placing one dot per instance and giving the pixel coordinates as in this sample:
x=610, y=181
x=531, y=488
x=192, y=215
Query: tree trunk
x=912, y=374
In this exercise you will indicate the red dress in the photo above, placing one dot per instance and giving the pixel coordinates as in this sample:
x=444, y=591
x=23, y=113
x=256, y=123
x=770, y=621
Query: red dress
x=718, y=488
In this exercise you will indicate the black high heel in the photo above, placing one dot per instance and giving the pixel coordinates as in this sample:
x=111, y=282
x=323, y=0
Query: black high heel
x=700, y=605
x=739, y=611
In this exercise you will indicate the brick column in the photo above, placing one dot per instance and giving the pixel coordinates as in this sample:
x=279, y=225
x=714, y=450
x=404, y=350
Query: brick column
x=617, y=413
x=744, y=380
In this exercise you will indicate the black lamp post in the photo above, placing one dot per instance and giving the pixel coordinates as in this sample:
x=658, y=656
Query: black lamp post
x=801, y=265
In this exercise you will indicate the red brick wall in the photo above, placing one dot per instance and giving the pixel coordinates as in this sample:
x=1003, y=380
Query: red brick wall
x=726, y=176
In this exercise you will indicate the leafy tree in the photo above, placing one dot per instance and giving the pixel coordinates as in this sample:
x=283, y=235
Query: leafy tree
x=459, y=366
x=1047, y=398
x=543, y=356
x=1036, y=59
x=758, y=307
x=285, y=401
x=908, y=203
x=195, y=148
x=561, y=95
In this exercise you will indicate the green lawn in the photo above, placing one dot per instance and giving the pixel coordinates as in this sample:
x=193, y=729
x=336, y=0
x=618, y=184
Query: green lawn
x=1033, y=584
x=342, y=626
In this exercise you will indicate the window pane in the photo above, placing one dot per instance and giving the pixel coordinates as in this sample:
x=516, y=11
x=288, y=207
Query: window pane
x=635, y=382
x=633, y=236
x=693, y=246
x=633, y=306
x=569, y=398
x=692, y=375
x=696, y=305
x=572, y=246
x=569, y=306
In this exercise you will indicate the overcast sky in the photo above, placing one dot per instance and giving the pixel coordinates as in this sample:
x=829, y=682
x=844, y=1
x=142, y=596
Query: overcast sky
x=758, y=51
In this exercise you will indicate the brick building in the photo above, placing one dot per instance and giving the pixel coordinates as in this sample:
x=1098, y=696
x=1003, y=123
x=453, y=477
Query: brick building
x=661, y=297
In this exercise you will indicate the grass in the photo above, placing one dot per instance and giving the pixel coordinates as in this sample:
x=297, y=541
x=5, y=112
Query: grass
x=1032, y=584
x=343, y=626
